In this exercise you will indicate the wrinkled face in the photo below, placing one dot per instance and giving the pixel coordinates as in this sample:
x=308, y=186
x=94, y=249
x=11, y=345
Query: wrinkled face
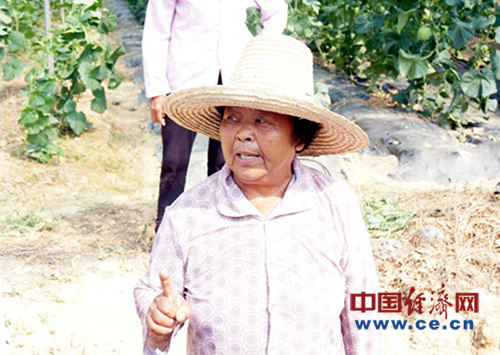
x=257, y=146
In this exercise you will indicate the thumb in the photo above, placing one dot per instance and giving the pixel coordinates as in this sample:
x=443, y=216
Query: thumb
x=184, y=312
x=168, y=288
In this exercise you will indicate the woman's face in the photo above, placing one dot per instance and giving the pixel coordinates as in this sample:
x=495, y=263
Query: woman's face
x=257, y=146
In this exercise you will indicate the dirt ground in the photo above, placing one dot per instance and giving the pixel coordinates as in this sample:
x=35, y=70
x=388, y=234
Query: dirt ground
x=75, y=235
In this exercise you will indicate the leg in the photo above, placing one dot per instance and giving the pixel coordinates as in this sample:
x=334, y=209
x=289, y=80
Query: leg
x=177, y=145
x=215, y=157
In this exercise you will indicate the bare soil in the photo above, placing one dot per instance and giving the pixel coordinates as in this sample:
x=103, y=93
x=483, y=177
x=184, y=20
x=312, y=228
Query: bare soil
x=75, y=236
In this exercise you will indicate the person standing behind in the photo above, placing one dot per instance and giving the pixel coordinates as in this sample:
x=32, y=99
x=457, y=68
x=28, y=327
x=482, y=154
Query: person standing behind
x=193, y=43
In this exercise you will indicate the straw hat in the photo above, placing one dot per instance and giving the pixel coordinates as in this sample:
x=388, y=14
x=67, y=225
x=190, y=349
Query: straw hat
x=275, y=73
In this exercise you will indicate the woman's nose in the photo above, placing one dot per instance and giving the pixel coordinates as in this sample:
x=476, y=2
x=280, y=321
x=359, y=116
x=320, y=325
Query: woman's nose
x=245, y=133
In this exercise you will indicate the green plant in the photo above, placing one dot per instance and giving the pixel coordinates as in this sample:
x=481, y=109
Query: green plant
x=30, y=222
x=424, y=42
x=138, y=9
x=253, y=21
x=384, y=218
x=80, y=62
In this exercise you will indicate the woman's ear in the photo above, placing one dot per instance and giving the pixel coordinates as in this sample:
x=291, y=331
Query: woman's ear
x=299, y=147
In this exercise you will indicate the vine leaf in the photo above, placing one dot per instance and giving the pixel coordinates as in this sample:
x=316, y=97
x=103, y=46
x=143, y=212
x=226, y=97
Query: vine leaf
x=98, y=104
x=12, y=68
x=495, y=63
x=77, y=122
x=412, y=66
x=475, y=84
x=85, y=71
x=460, y=33
x=321, y=96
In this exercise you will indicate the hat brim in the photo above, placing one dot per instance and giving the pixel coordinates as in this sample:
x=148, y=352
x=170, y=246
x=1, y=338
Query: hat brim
x=196, y=109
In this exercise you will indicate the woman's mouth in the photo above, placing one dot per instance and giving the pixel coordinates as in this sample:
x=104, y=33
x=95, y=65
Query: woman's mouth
x=246, y=156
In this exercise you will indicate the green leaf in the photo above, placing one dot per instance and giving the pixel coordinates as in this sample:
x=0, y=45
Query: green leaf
x=363, y=24
x=460, y=33
x=393, y=42
x=101, y=73
x=480, y=23
x=491, y=105
x=85, y=71
x=403, y=20
x=69, y=106
x=412, y=66
x=475, y=84
x=15, y=41
x=66, y=74
x=435, y=79
x=378, y=21
x=28, y=116
x=443, y=58
x=99, y=102
x=12, y=68
x=5, y=21
x=4, y=18
x=114, y=82
x=78, y=87
x=495, y=63
x=90, y=54
x=497, y=34
x=44, y=137
x=41, y=101
x=77, y=122
x=41, y=123
x=87, y=3
x=375, y=42
x=2, y=53
x=321, y=96
x=43, y=154
x=47, y=86
x=112, y=22
x=402, y=97
x=117, y=53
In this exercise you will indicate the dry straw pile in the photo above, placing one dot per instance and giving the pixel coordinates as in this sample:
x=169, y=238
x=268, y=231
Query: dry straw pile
x=464, y=257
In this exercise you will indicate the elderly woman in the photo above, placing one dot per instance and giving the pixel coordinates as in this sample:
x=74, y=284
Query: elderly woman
x=262, y=257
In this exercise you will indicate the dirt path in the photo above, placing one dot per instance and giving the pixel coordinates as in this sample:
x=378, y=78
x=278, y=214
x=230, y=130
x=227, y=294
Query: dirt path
x=74, y=233
x=74, y=236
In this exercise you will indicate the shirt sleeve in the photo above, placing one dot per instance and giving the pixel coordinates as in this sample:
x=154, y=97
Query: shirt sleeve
x=155, y=46
x=166, y=254
x=274, y=15
x=360, y=275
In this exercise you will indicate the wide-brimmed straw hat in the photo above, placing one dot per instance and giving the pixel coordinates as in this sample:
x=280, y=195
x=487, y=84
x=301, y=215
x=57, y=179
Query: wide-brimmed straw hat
x=275, y=73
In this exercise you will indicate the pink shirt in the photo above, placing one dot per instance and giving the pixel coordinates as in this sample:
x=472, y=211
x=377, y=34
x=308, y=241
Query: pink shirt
x=279, y=285
x=187, y=42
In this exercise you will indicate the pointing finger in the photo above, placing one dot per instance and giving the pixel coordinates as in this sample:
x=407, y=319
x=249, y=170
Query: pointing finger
x=168, y=288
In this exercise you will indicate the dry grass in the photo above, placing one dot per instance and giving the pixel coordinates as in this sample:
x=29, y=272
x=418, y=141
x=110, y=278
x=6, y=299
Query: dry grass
x=467, y=258
x=107, y=179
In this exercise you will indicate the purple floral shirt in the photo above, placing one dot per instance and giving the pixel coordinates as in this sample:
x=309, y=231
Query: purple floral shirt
x=279, y=285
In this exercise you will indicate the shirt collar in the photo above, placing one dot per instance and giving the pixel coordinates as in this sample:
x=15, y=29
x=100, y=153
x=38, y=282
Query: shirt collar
x=231, y=201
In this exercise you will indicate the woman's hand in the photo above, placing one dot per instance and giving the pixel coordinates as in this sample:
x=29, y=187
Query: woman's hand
x=157, y=112
x=168, y=310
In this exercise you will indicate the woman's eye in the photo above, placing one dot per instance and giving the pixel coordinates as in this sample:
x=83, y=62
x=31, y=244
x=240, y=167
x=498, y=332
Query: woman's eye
x=230, y=118
x=261, y=121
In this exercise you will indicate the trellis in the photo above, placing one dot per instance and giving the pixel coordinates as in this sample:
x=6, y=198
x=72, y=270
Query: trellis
x=48, y=35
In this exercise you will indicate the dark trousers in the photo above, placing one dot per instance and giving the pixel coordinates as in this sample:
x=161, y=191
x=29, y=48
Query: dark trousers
x=177, y=145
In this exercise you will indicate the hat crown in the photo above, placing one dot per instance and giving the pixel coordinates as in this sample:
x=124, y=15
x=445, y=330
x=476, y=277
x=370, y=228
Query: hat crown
x=274, y=74
x=277, y=63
